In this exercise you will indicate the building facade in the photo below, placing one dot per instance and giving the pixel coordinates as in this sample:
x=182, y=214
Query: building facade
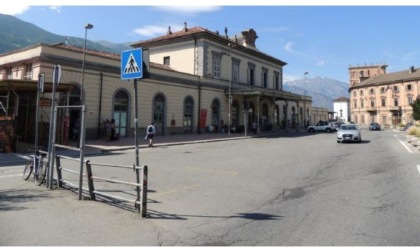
x=377, y=96
x=341, y=108
x=191, y=75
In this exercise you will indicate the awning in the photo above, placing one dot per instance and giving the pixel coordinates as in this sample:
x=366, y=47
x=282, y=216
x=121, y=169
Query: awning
x=275, y=94
x=29, y=86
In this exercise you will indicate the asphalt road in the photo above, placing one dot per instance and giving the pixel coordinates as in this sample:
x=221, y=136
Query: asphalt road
x=303, y=190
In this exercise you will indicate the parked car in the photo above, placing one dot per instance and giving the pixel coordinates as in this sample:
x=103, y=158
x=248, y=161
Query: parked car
x=322, y=126
x=349, y=133
x=374, y=126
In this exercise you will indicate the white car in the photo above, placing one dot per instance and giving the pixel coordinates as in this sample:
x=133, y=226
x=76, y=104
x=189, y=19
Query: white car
x=349, y=133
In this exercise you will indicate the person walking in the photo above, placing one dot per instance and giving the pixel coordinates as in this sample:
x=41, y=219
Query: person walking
x=150, y=133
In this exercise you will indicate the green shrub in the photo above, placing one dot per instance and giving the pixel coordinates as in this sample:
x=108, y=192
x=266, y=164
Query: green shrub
x=417, y=132
x=401, y=125
x=412, y=130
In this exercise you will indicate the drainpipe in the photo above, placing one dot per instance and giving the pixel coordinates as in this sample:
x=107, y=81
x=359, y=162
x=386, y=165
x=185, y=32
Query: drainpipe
x=100, y=104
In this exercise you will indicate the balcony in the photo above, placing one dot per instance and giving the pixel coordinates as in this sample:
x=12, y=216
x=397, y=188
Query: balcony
x=395, y=108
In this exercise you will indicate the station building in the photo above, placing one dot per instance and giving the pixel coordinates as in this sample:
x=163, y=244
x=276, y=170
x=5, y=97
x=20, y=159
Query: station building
x=191, y=75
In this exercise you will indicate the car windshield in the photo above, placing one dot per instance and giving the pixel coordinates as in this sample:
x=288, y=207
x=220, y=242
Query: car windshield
x=348, y=127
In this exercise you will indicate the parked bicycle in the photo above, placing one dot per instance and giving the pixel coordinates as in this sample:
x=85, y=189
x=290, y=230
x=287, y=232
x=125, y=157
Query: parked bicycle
x=38, y=166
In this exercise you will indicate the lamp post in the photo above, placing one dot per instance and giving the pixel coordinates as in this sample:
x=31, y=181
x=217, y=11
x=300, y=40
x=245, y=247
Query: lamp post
x=87, y=27
x=230, y=87
x=304, y=103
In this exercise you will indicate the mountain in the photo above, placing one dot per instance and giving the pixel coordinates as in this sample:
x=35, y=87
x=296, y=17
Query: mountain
x=16, y=34
x=322, y=90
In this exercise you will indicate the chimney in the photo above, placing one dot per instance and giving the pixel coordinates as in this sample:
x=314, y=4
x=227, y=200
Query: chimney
x=411, y=69
x=169, y=31
x=226, y=30
x=185, y=27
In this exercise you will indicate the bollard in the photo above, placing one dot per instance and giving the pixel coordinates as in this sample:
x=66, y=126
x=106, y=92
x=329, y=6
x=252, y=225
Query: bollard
x=90, y=180
x=59, y=175
x=144, y=193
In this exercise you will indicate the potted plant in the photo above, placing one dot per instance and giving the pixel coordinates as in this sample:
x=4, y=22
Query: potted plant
x=400, y=126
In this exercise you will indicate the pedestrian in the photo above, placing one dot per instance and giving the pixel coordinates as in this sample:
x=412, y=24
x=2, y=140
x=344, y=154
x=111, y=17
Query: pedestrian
x=108, y=129
x=254, y=127
x=150, y=133
x=112, y=137
x=76, y=129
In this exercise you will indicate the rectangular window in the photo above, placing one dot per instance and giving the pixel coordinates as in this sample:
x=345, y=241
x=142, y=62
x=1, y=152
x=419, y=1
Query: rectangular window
x=363, y=119
x=395, y=102
x=409, y=87
x=383, y=101
x=355, y=103
x=167, y=61
x=372, y=103
x=276, y=81
x=216, y=66
x=395, y=89
x=361, y=103
x=28, y=73
x=235, y=71
x=251, y=76
x=382, y=90
x=264, y=79
x=9, y=72
x=410, y=100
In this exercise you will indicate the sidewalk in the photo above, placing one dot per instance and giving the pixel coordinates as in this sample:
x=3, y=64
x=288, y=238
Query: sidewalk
x=98, y=146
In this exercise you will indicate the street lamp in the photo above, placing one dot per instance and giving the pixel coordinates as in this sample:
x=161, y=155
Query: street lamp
x=230, y=87
x=304, y=103
x=87, y=27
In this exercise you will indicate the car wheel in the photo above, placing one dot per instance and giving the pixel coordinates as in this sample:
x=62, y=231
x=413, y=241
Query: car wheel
x=311, y=130
x=328, y=130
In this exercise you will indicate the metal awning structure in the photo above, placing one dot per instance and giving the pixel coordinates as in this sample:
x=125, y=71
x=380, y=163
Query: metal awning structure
x=29, y=86
x=275, y=94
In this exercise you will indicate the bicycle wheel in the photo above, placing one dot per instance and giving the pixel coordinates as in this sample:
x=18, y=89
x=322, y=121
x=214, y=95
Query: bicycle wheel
x=42, y=173
x=28, y=169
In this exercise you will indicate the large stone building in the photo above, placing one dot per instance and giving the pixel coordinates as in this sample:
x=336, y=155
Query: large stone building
x=377, y=96
x=191, y=75
x=341, y=108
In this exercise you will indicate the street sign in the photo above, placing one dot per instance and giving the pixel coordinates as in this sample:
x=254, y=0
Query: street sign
x=57, y=74
x=132, y=64
x=41, y=80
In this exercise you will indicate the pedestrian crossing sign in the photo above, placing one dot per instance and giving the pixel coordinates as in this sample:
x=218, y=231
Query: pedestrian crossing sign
x=132, y=64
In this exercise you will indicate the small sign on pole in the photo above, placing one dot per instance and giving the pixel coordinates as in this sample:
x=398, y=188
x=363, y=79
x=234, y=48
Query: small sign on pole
x=57, y=74
x=132, y=64
x=41, y=80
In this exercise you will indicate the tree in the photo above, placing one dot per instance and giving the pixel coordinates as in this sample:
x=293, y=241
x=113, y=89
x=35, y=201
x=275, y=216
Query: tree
x=416, y=108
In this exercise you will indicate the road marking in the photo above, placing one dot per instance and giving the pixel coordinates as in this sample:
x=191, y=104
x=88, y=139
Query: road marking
x=403, y=144
x=172, y=191
x=418, y=168
x=213, y=171
x=15, y=175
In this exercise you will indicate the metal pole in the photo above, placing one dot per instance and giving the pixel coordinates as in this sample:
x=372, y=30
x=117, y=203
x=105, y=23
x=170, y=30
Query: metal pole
x=82, y=150
x=40, y=79
x=50, y=138
x=87, y=26
x=304, y=104
x=136, y=135
x=230, y=88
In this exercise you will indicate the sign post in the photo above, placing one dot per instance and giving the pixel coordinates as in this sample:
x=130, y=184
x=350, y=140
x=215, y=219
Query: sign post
x=56, y=81
x=41, y=78
x=132, y=68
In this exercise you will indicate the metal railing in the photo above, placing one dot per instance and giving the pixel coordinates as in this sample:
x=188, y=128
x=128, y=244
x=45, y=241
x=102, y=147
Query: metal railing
x=140, y=202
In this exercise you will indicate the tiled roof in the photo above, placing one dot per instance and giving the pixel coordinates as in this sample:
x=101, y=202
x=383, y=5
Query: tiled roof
x=88, y=51
x=389, y=78
x=342, y=99
x=178, y=34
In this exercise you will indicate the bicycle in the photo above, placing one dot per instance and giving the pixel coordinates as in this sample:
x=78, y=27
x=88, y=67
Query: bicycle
x=36, y=163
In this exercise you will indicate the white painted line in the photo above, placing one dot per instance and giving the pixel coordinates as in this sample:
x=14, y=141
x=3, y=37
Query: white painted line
x=6, y=176
x=403, y=144
x=418, y=168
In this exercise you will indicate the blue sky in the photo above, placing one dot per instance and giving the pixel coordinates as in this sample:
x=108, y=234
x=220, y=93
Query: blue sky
x=322, y=40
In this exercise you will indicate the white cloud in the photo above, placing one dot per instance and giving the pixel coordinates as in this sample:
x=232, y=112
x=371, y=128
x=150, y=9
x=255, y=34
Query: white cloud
x=55, y=8
x=154, y=30
x=14, y=8
x=288, y=47
x=188, y=9
x=320, y=63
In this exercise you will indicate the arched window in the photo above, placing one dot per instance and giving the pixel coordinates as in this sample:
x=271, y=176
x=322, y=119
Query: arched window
x=121, y=105
x=188, y=114
x=159, y=116
x=215, y=114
